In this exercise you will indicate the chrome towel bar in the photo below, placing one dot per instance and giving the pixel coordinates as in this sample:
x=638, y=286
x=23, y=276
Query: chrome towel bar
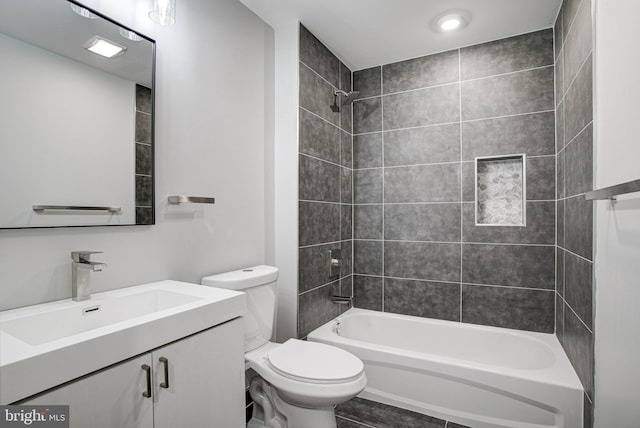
x=42, y=208
x=613, y=191
x=180, y=199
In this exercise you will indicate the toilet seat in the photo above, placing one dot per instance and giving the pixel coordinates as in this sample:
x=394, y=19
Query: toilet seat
x=314, y=362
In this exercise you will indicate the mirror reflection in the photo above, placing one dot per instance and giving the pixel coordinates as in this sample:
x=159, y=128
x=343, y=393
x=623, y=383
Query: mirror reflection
x=76, y=118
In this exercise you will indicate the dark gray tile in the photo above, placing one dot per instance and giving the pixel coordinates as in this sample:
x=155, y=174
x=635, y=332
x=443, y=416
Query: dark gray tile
x=314, y=266
x=422, y=222
x=346, y=118
x=422, y=298
x=367, y=115
x=507, y=55
x=367, y=186
x=468, y=181
x=557, y=32
x=346, y=185
x=452, y=425
x=561, y=189
x=517, y=308
x=143, y=128
x=540, y=228
x=578, y=344
x=560, y=223
x=431, y=144
x=346, y=149
x=318, y=138
x=511, y=265
x=316, y=308
x=384, y=416
x=367, y=82
x=316, y=95
x=559, y=318
x=319, y=180
x=346, y=261
x=144, y=159
x=422, y=183
x=143, y=99
x=587, y=412
x=579, y=287
x=422, y=72
x=569, y=11
x=422, y=260
x=579, y=163
x=345, y=78
x=560, y=140
x=346, y=423
x=578, y=102
x=541, y=183
x=144, y=191
x=560, y=256
x=509, y=94
x=367, y=150
x=578, y=226
x=367, y=257
x=144, y=216
x=559, y=78
x=367, y=221
x=532, y=134
x=316, y=55
x=431, y=106
x=318, y=223
x=367, y=292
x=346, y=219
x=346, y=286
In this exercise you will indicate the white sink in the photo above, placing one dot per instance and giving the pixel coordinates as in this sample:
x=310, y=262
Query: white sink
x=46, y=345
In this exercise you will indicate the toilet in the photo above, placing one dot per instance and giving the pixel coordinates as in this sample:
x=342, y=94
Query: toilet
x=299, y=383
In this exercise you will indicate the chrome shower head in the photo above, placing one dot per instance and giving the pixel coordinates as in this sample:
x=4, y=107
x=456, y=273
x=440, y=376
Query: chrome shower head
x=348, y=98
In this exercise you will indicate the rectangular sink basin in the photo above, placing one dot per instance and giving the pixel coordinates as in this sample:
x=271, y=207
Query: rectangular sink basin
x=46, y=345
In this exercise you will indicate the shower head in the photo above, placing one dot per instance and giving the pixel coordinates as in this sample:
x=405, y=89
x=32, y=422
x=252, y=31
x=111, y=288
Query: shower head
x=348, y=98
x=335, y=107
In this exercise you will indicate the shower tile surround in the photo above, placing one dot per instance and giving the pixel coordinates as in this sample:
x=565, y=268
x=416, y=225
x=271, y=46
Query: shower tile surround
x=418, y=127
x=144, y=156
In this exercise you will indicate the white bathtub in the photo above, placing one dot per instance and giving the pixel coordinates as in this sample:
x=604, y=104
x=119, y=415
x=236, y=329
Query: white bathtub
x=483, y=377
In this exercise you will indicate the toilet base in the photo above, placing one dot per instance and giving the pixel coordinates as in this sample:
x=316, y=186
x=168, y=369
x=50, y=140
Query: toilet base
x=271, y=411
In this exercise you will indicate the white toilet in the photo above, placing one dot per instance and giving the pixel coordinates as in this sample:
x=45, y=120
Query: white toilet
x=299, y=382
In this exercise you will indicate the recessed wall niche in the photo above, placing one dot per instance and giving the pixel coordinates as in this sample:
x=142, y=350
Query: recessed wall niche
x=500, y=190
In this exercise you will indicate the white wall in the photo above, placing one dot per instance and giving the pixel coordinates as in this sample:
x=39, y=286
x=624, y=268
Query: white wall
x=617, y=260
x=210, y=126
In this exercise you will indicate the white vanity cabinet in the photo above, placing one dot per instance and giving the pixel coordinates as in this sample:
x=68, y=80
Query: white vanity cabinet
x=195, y=382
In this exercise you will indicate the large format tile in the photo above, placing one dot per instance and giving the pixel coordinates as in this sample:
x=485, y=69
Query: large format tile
x=540, y=228
x=559, y=318
x=578, y=226
x=517, y=308
x=144, y=159
x=316, y=55
x=560, y=223
x=468, y=181
x=313, y=265
x=422, y=183
x=561, y=188
x=422, y=72
x=367, y=257
x=367, y=186
x=422, y=260
x=541, y=183
x=511, y=265
x=318, y=180
x=367, y=222
x=346, y=149
x=560, y=140
x=578, y=344
x=144, y=191
x=319, y=222
x=522, y=92
x=367, y=150
x=380, y=415
x=367, y=115
x=346, y=185
x=367, y=292
x=318, y=138
x=578, y=102
x=346, y=221
x=432, y=144
x=507, y=55
x=569, y=11
x=143, y=128
x=367, y=82
x=316, y=308
x=579, y=163
x=143, y=99
x=422, y=298
x=431, y=106
x=578, y=45
x=422, y=222
x=532, y=134
x=316, y=95
x=579, y=287
x=559, y=78
x=557, y=33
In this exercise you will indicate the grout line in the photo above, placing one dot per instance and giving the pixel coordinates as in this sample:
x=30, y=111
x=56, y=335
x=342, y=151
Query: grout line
x=575, y=137
x=568, y=88
x=143, y=175
x=461, y=180
x=322, y=118
x=319, y=287
x=572, y=197
x=382, y=138
x=320, y=76
x=577, y=255
x=323, y=160
x=509, y=115
x=323, y=202
x=355, y=421
x=515, y=244
x=144, y=144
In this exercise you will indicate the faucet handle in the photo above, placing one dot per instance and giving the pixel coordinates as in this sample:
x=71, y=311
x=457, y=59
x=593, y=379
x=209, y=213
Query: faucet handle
x=83, y=256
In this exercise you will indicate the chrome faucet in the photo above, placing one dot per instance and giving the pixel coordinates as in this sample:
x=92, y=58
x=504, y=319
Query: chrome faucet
x=81, y=268
x=342, y=300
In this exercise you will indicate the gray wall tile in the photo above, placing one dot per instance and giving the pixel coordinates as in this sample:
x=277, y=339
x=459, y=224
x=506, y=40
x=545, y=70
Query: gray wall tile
x=557, y=32
x=560, y=257
x=559, y=317
x=367, y=150
x=346, y=118
x=559, y=78
x=367, y=115
x=569, y=11
x=316, y=55
x=346, y=261
x=346, y=221
x=422, y=183
x=422, y=222
x=345, y=78
x=511, y=265
x=578, y=226
x=560, y=223
x=316, y=95
x=143, y=128
x=540, y=229
x=422, y=260
x=517, y=308
x=318, y=223
x=468, y=181
x=144, y=191
x=143, y=99
x=318, y=138
x=314, y=265
x=432, y=144
x=579, y=163
x=440, y=104
x=381, y=415
x=144, y=159
x=318, y=180
x=346, y=185
x=422, y=298
x=577, y=342
x=541, y=183
x=367, y=82
x=367, y=186
x=367, y=221
x=578, y=44
x=532, y=134
x=578, y=102
x=507, y=55
x=346, y=149
x=578, y=288
x=561, y=190
x=509, y=94
x=316, y=308
x=560, y=140
x=144, y=215
x=367, y=257
x=422, y=72
x=367, y=292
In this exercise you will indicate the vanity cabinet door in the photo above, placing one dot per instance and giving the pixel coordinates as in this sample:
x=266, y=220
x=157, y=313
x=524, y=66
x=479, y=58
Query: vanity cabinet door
x=205, y=374
x=106, y=399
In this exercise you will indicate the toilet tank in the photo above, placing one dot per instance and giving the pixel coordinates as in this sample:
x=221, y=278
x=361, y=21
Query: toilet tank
x=259, y=283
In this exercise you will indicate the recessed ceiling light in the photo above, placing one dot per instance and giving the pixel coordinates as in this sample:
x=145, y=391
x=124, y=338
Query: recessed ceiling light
x=451, y=21
x=83, y=12
x=104, y=47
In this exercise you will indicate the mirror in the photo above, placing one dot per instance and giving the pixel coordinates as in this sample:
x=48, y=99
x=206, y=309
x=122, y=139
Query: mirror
x=76, y=127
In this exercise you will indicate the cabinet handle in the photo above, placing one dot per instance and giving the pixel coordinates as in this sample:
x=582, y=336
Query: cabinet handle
x=165, y=362
x=147, y=369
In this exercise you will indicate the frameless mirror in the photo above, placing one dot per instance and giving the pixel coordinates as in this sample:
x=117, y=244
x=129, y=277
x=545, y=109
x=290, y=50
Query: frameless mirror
x=76, y=123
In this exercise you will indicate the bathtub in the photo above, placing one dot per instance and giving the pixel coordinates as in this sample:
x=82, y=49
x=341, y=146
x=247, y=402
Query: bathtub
x=483, y=377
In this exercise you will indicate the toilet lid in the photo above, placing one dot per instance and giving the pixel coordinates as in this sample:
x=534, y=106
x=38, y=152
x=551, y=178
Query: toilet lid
x=315, y=362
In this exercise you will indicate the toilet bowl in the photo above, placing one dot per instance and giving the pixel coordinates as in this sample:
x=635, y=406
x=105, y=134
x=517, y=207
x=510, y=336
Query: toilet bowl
x=298, y=383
